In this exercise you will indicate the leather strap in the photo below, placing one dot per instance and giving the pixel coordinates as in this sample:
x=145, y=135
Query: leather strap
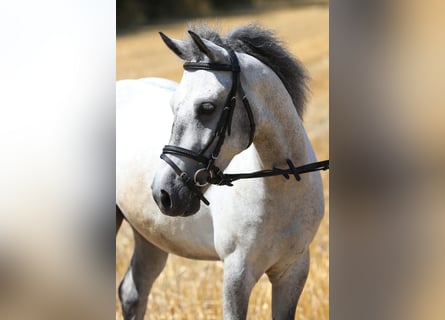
x=175, y=150
x=210, y=66
x=227, y=179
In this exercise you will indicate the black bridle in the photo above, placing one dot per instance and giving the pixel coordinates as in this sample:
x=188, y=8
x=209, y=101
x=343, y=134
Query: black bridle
x=210, y=173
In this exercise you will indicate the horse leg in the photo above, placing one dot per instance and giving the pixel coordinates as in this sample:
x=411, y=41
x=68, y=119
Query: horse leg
x=146, y=264
x=287, y=286
x=238, y=283
x=119, y=218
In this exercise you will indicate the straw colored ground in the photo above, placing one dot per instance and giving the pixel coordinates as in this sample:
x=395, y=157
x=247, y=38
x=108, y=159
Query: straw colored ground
x=189, y=289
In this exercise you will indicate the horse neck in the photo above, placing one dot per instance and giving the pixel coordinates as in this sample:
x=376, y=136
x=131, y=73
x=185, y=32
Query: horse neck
x=280, y=134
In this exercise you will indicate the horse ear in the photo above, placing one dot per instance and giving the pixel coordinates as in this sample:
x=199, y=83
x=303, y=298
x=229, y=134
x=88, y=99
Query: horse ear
x=177, y=46
x=211, y=50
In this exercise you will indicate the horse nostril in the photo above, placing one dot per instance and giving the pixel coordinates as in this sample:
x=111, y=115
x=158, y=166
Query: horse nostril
x=165, y=199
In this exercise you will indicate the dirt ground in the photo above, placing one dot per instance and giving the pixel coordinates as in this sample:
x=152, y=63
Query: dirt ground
x=189, y=289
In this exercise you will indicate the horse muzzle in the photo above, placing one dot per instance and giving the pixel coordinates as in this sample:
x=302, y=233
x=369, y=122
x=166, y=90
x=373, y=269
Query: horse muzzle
x=174, y=199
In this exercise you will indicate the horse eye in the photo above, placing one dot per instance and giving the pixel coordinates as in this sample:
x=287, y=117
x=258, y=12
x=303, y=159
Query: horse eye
x=206, y=108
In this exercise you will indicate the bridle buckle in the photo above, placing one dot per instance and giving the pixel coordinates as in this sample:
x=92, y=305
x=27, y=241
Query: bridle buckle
x=202, y=177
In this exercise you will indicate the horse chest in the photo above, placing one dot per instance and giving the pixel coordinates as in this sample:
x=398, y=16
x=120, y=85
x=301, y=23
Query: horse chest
x=190, y=237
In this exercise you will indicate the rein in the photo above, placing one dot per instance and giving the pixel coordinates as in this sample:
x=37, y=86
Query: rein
x=210, y=173
x=295, y=171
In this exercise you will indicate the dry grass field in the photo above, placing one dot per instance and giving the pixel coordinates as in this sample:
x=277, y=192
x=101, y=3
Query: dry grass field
x=189, y=289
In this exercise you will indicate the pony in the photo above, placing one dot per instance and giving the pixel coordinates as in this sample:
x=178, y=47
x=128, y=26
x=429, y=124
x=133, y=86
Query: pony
x=238, y=107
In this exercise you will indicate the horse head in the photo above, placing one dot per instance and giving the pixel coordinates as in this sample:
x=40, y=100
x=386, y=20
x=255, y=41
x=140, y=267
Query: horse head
x=209, y=126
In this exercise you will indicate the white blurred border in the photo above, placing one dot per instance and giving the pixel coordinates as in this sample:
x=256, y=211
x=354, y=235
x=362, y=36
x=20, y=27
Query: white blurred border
x=57, y=141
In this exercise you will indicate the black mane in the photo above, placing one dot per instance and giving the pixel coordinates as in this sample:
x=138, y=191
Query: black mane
x=263, y=45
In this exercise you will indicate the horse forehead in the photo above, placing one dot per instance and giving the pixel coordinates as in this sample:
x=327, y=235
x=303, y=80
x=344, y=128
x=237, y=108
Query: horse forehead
x=201, y=84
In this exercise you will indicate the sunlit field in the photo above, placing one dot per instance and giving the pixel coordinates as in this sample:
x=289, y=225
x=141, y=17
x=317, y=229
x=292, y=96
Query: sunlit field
x=189, y=289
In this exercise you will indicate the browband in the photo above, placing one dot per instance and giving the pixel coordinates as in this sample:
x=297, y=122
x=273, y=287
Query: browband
x=211, y=66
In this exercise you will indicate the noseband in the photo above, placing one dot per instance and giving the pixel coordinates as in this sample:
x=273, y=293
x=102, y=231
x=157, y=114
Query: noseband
x=210, y=173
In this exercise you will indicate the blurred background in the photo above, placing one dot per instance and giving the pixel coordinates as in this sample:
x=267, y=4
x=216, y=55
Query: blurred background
x=189, y=289
x=387, y=138
x=134, y=13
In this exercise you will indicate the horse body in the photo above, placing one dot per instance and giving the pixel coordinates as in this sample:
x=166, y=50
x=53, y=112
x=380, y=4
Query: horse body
x=257, y=226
